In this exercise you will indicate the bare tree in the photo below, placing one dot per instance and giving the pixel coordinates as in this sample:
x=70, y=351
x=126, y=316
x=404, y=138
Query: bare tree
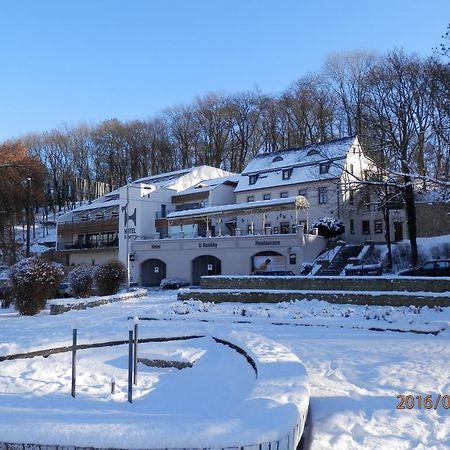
x=245, y=114
x=212, y=118
x=400, y=107
x=184, y=133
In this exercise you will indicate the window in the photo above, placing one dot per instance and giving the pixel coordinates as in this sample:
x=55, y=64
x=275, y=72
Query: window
x=350, y=168
x=378, y=226
x=266, y=197
x=277, y=159
x=303, y=192
x=324, y=168
x=350, y=197
x=323, y=195
x=250, y=198
x=292, y=259
x=285, y=227
x=283, y=194
x=312, y=152
x=253, y=178
x=287, y=173
x=365, y=227
x=352, y=226
x=442, y=264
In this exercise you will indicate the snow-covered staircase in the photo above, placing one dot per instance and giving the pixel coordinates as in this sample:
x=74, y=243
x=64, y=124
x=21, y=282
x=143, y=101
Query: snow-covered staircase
x=338, y=263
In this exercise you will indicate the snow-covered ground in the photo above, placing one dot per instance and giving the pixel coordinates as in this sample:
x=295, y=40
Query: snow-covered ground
x=355, y=372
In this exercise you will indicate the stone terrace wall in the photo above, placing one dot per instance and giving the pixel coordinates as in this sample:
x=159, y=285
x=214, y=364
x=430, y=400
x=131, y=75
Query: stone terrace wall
x=343, y=297
x=328, y=283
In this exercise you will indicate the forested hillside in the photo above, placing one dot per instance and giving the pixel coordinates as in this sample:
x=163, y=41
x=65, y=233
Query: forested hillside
x=399, y=105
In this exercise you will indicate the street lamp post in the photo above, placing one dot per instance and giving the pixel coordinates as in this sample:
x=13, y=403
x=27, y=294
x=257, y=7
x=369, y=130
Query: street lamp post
x=127, y=219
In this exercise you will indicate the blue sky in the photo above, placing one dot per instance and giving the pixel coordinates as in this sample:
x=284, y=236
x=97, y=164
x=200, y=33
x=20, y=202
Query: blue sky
x=69, y=61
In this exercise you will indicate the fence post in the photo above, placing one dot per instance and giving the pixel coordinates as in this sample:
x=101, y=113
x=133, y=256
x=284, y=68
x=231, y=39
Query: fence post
x=130, y=365
x=74, y=361
x=136, y=325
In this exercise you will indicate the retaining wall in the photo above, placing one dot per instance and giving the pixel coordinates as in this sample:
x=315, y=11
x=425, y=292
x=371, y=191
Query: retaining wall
x=342, y=297
x=62, y=306
x=405, y=284
x=399, y=291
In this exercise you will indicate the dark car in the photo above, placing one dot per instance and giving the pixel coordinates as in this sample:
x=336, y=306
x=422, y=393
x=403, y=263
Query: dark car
x=64, y=290
x=274, y=273
x=437, y=268
x=173, y=283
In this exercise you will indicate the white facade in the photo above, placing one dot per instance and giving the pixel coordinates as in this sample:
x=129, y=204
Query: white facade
x=95, y=232
x=330, y=176
x=204, y=220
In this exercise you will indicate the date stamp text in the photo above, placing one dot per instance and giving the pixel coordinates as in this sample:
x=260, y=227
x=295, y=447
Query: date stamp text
x=423, y=401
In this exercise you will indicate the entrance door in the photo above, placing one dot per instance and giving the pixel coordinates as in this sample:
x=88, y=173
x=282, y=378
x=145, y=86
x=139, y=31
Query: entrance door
x=205, y=265
x=152, y=272
x=398, y=231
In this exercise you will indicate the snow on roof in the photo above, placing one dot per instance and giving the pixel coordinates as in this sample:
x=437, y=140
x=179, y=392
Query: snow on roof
x=209, y=185
x=279, y=203
x=103, y=203
x=303, y=161
x=169, y=180
x=164, y=178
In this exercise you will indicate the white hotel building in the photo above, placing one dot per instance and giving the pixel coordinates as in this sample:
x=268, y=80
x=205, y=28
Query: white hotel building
x=205, y=221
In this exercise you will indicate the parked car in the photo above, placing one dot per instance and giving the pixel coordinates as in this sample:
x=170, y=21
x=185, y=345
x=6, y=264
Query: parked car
x=274, y=273
x=364, y=269
x=437, y=268
x=173, y=283
x=64, y=290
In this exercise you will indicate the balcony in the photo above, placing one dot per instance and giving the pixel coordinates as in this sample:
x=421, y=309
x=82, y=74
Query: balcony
x=82, y=246
x=89, y=226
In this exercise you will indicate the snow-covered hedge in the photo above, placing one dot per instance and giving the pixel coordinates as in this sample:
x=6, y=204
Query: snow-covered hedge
x=109, y=276
x=328, y=227
x=81, y=281
x=33, y=281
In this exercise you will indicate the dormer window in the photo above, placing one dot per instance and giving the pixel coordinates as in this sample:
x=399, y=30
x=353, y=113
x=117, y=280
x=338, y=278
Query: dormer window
x=312, y=152
x=252, y=179
x=277, y=159
x=287, y=173
x=324, y=168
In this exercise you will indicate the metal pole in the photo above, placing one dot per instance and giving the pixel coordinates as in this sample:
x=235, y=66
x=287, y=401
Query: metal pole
x=74, y=361
x=136, y=325
x=27, y=254
x=130, y=366
x=388, y=227
x=128, y=236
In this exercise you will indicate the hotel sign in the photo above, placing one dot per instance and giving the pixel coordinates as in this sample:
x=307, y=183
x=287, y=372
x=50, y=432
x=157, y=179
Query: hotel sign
x=207, y=245
x=264, y=243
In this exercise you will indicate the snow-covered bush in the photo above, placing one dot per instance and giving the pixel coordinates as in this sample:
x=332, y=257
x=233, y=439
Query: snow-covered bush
x=328, y=227
x=109, y=275
x=33, y=281
x=440, y=250
x=81, y=281
x=401, y=255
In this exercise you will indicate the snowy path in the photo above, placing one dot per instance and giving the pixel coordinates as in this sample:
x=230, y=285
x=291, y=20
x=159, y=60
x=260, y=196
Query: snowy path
x=355, y=374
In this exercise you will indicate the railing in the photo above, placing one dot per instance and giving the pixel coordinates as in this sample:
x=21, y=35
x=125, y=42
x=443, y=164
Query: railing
x=287, y=442
x=87, y=245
